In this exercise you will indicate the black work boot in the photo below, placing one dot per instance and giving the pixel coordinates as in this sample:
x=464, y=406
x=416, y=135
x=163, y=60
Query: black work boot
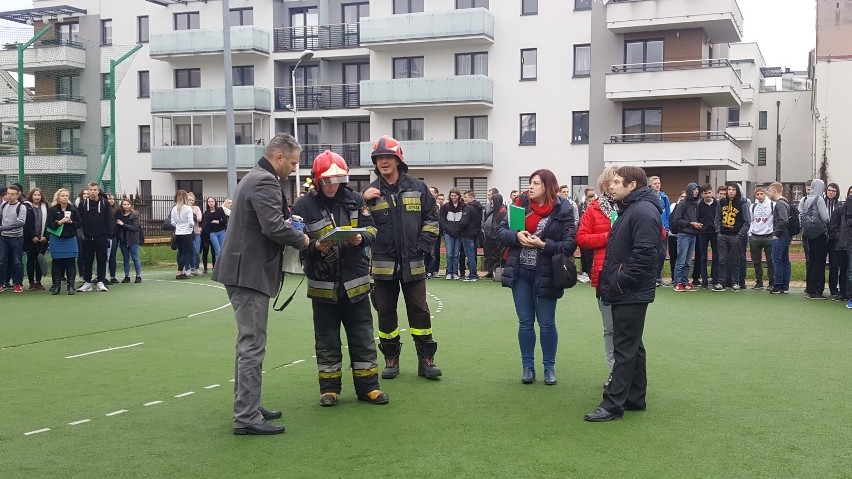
x=54, y=290
x=391, y=350
x=426, y=360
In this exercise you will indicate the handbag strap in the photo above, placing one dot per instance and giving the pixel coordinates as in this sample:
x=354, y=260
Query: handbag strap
x=290, y=299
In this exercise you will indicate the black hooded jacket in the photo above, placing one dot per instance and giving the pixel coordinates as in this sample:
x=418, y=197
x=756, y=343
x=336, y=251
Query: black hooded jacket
x=471, y=221
x=97, y=217
x=686, y=212
x=732, y=218
x=629, y=269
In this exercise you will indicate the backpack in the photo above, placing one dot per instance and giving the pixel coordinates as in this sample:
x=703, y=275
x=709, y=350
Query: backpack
x=673, y=227
x=812, y=225
x=794, y=225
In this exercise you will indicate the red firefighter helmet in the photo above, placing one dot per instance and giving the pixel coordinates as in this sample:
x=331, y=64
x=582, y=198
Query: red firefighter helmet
x=329, y=168
x=390, y=147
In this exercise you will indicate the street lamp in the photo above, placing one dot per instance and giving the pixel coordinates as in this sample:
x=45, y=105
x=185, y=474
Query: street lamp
x=306, y=55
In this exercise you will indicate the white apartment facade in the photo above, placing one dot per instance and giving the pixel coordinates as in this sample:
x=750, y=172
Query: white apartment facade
x=481, y=93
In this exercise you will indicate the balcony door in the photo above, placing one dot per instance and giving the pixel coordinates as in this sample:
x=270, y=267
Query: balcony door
x=307, y=98
x=351, y=14
x=642, y=124
x=353, y=74
x=196, y=187
x=305, y=32
x=68, y=32
x=67, y=87
x=643, y=56
x=69, y=141
x=354, y=132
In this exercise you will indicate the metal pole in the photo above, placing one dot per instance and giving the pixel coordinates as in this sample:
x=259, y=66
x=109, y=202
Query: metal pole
x=21, y=48
x=111, y=145
x=778, y=141
x=295, y=125
x=230, y=134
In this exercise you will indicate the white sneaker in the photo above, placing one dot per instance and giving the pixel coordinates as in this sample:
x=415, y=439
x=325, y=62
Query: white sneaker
x=194, y=272
x=85, y=287
x=584, y=278
x=101, y=287
x=449, y=276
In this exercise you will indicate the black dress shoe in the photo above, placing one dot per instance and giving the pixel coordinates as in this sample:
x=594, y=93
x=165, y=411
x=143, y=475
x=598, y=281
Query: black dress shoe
x=262, y=429
x=267, y=415
x=601, y=415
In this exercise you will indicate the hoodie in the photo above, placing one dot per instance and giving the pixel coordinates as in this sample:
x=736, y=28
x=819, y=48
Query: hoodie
x=97, y=217
x=686, y=212
x=733, y=216
x=761, y=217
x=471, y=221
x=815, y=198
x=708, y=215
x=450, y=218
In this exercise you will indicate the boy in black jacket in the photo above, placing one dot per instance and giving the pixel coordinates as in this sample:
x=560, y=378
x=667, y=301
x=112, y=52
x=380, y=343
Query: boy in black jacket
x=708, y=213
x=97, y=217
x=470, y=227
x=684, y=219
x=733, y=223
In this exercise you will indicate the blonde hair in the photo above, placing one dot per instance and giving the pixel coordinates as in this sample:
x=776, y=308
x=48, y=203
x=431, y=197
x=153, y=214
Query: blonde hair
x=181, y=198
x=606, y=178
x=56, y=196
x=777, y=187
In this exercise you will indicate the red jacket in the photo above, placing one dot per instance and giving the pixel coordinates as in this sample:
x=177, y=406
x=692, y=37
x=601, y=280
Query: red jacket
x=593, y=234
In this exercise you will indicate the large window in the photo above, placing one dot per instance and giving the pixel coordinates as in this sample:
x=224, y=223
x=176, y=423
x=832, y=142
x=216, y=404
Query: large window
x=68, y=87
x=69, y=141
x=642, y=124
x=354, y=12
x=527, y=128
x=472, y=63
x=471, y=128
x=408, y=67
x=243, y=76
x=144, y=138
x=582, y=4
x=186, y=135
x=407, y=6
x=580, y=128
x=142, y=24
x=529, y=7
x=144, y=84
x=242, y=134
x=106, y=32
x=478, y=185
x=187, y=21
x=643, y=56
x=408, y=129
x=196, y=187
x=471, y=4
x=733, y=116
x=529, y=64
x=582, y=60
x=762, y=120
x=68, y=32
x=188, y=78
x=241, y=16
x=761, y=157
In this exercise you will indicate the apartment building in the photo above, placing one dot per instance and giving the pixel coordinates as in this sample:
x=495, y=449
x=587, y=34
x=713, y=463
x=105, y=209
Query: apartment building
x=481, y=93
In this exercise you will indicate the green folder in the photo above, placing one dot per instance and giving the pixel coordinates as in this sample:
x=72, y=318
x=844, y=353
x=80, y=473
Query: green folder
x=57, y=231
x=517, y=218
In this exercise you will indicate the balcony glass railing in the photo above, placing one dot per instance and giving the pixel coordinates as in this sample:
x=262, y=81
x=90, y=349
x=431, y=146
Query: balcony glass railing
x=198, y=99
x=651, y=136
x=414, y=91
x=203, y=157
x=671, y=66
x=468, y=22
x=317, y=37
x=186, y=42
x=440, y=153
x=319, y=97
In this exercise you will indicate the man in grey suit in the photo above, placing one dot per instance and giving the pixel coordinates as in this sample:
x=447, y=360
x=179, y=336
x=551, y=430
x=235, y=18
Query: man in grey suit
x=249, y=266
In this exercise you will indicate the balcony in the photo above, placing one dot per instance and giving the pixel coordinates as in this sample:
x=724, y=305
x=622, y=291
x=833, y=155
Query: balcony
x=350, y=152
x=714, y=81
x=319, y=97
x=740, y=131
x=244, y=39
x=45, y=161
x=715, y=150
x=455, y=90
x=748, y=93
x=440, y=154
x=197, y=158
x=721, y=19
x=246, y=98
x=317, y=37
x=45, y=108
x=473, y=26
x=45, y=55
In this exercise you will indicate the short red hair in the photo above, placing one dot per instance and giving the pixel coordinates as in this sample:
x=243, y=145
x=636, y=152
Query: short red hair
x=548, y=180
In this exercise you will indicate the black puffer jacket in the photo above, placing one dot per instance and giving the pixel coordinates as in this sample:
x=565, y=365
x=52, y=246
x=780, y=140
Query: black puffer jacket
x=559, y=234
x=471, y=222
x=628, y=274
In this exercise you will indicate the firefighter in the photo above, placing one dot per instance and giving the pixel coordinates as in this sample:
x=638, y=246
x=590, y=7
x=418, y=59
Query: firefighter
x=403, y=210
x=338, y=276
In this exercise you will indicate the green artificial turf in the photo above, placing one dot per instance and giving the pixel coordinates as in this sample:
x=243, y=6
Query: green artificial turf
x=740, y=385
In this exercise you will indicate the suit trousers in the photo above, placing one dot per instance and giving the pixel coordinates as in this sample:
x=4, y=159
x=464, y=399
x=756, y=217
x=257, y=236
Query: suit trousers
x=251, y=309
x=629, y=381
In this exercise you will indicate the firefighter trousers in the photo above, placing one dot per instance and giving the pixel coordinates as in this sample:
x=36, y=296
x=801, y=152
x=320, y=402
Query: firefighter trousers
x=385, y=297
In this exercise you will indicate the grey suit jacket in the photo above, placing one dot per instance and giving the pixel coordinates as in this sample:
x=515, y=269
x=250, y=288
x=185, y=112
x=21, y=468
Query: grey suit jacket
x=257, y=230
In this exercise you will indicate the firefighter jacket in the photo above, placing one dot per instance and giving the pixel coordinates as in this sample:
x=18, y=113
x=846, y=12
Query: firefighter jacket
x=344, y=269
x=407, y=227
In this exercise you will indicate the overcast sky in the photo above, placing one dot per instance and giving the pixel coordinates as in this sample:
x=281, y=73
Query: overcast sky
x=785, y=35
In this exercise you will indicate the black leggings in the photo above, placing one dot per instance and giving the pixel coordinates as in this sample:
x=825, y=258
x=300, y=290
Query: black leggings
x=33, y=250
x=206, y=249
x=64, y=267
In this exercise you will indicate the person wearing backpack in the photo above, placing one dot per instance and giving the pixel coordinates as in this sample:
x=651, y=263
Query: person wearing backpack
x=814, y=219
x=13, y=217
x=782, y=232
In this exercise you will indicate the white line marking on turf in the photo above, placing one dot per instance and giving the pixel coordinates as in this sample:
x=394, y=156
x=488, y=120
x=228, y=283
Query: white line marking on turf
x=116, y=413
x=209, y=311
x=230, y=380
x=152, y=403
x=298, y=361
x=81, y=421
x=212, y=386
x=104, y=350
x=37, y=431
x=183, y=395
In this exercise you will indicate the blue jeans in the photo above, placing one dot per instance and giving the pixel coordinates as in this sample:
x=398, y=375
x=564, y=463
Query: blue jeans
x=453, y=247
x=196, y=251
x=128, y=253
x=685, y=250
x=849, y=273
x=469, y=245
x=217, y=239
x=530, y=308
x=11, y=248
x=781, y=262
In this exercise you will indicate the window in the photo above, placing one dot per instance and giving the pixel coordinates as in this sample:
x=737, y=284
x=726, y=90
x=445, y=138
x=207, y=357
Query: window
x=407, y=6
x=523, y=183
x=733, y=116
x=186, y=135
x=471, y=128
x=68, y=87
x=106, y=32
x=69, y=141
x=529, y=64
x=761, y=157
x=145, y=188
x=478, y=185
x=241, y=16
x=529, y=7
x=471, y=4
x=144, y=84
x=582, y=4
x=68, y=32
x=472, y=63
x=578, y=183
x=409, y=129
x=243, y=76
x=641, y=124
x=188, y=78
x=762, y=120
x=643, y=56
x=187, y=21
x=144, y=138
x=105, y=86
x=191, y=186
x=105, y=137
x=580, y=128
x=527, y=128
x=354, y=12
x=582, y=60
x=408, y=67
x=242, y=134
x=142, y=29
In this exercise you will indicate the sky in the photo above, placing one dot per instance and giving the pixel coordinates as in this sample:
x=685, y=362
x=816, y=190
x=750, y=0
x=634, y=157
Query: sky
x=785, y=35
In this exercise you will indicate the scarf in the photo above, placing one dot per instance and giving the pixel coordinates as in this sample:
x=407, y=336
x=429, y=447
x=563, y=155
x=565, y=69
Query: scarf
x=537, y=212
x=608, y=207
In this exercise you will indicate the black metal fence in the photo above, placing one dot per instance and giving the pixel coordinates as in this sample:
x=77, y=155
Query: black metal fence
x=317, y=37
x=319, y=97
x=155, y=210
